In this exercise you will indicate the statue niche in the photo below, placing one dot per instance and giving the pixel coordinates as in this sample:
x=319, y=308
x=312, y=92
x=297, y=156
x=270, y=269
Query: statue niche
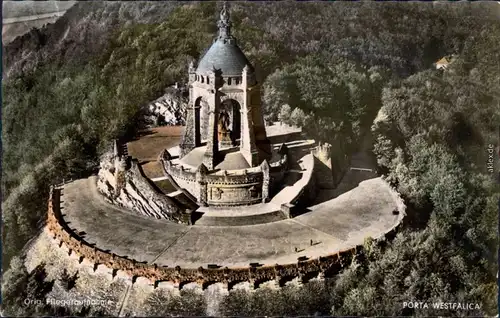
x=223, y=129
x=229, y=123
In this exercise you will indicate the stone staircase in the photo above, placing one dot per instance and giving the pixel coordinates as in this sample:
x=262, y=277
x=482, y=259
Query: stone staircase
x=239, y=216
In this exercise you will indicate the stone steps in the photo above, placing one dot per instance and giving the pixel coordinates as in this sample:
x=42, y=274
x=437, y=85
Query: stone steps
x=175, y=193
x=217, y=220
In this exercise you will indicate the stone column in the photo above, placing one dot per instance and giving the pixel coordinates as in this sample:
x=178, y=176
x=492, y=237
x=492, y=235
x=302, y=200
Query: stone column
x=191, y=137
x=261, y=139
x=188, y=141
x=201, y=184
x=265, y=180
x=247, y=147
x=191, y=72
x=209, y=158
x=212, y=150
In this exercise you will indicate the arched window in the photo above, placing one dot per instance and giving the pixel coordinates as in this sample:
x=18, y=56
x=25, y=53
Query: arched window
x=208, y=80
x=201, y=76
x=229, y=81
x=196, y=77
x=237, y=80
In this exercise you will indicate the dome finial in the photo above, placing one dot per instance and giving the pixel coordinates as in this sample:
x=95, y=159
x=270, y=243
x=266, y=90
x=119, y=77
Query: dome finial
x=224, y=23
x=224, y=14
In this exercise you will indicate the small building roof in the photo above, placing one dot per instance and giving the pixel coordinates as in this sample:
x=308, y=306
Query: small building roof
x=444, y=60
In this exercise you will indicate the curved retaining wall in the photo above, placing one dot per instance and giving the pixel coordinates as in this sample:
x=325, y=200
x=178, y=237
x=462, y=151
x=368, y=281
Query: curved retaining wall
x=327, y=265
x=308, y=182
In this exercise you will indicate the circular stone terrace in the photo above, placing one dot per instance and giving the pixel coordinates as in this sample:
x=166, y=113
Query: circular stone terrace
x=361, y=206
x=333, y=226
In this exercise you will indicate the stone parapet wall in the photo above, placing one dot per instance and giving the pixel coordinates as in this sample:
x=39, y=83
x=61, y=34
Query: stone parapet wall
x=143, y=198
x=185, y=179
x=308, y=190
x=340, y=161
x=232, y=178
x=327, y=265
x=323, y=154
x=226, y=188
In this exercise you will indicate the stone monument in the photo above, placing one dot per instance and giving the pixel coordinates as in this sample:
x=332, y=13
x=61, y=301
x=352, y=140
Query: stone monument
x=223, y=87
x=225, y=129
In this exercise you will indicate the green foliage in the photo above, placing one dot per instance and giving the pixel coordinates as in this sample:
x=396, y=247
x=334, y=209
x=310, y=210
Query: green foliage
x=310, y=299
x=325, y=67
x=366, y=32
x=23, y=293
x=57, y=119
x=331, y=99
x=432, y=136
x=188, y=303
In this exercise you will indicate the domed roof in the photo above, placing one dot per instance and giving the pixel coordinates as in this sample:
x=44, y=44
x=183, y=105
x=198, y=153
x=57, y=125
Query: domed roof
x=225, y=55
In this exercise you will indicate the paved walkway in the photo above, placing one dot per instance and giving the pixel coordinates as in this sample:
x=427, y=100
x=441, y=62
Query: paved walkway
x=335, y=225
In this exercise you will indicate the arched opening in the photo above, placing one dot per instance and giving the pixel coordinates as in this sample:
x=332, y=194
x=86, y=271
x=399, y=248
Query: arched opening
x=232, y=284
x=309, y=276
x=286, y=279
x=183, y=284
x=201, y=79
x=229, y=81
x=233, y=109
x=333, y=270
x=259, y=282
x=207, y=284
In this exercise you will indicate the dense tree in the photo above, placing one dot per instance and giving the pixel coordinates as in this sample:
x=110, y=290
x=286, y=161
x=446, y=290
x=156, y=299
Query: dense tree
x=325, y=67
x=189, y=303
x=290, y=300
x=24, y=293
x=432, y=137
x=80, y=110
x=330, y=99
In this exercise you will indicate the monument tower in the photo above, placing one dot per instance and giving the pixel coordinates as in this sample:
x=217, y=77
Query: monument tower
x=225, y=157
x=224, y=111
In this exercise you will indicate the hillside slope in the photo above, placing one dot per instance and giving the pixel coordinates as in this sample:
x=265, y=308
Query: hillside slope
x=82, y=32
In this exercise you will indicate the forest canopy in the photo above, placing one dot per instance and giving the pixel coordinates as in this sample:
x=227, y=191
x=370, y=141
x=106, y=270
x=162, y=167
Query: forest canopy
x=339, y=70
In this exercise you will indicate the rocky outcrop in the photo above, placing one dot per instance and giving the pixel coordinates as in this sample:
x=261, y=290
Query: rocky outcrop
x=122, y=182
x=170, y=109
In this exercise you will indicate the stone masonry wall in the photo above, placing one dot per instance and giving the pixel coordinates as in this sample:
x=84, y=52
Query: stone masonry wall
x=323, y=154
x=238, y=187
x=222, y=190
x=130, y=188
x=327, y=265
